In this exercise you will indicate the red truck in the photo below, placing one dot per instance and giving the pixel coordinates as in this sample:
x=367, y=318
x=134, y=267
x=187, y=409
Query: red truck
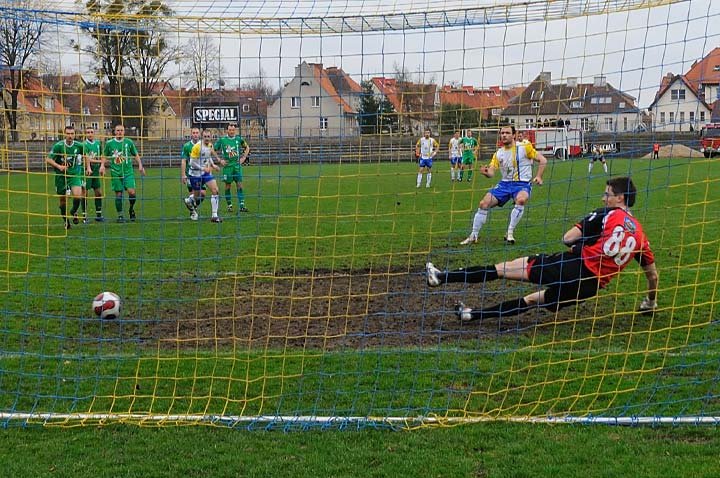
x=710, y=140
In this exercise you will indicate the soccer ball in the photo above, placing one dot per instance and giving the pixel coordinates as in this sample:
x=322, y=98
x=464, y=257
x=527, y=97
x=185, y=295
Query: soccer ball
x=106, y=305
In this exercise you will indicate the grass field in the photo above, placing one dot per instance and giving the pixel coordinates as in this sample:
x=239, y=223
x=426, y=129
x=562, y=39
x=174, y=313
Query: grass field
x=252, y=317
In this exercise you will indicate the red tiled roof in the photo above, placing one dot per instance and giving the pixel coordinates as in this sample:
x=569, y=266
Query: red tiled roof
x=326, y=83
x=705, y=71
x=478, y=98
x=416, y=99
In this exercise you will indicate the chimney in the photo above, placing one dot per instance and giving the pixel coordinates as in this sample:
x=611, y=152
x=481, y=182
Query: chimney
x=572, y=82
x=599, y=81
x=545, y=76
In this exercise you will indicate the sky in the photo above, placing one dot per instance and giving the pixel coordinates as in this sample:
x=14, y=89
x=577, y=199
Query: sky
x=462, y=42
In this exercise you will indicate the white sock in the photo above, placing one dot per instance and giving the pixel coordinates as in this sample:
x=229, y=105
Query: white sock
x=429, y=177
x=605, y=167
x=452, y=173
x=214, y=202
x=515, y=216
x=478, y=221
x=590, y=167
x=419, y=179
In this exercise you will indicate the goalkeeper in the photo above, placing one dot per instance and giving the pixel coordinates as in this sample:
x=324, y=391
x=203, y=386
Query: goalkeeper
x=601, y=245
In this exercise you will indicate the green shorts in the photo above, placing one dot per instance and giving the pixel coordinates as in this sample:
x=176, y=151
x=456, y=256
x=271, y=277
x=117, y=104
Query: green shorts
x=93, y=182
x=65, y=183
x=232, y=172
x=121, y=183
x=468, y=160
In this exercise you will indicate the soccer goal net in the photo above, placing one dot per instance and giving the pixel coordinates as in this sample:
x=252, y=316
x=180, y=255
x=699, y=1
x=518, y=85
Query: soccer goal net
x=222, y=212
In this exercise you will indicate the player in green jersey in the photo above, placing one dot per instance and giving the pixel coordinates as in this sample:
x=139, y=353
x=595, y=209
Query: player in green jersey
x=470, y=149
x=66, y=157
x=94, y=169
x=119, y=151
x=190, y=202
x=230, y=147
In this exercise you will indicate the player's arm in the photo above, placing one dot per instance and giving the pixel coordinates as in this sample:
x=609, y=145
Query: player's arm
x=50, y=159
x=246, y=151
x=436, y=148
x=572, y=236
x=417, y=149
x=450, y=149
x=213, y=165
x=183, y=167
x=535, y=155
x=587, y=231
x=489, y=169
x=651, y=274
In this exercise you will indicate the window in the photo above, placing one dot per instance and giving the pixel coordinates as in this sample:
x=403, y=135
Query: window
x=584, y=124
x=316, y=102
x=246, y=108
x=677, y=94
x=682, y=116
x=576, y=104
x=609, y=124
x=186, y=123
x=35, y=103
x=662, y=117
x=607, y=100
x=535, y=104
x=621, y=104
x=94, y=125
x=702, y=116
x=106, y=125
x=529, y=122
x=72, y=123
x=496, y=111
x=86, y=110
x=625, y=123
x=672, y=116
x=295, y=102
x=49, y=104
x=323, y=123
x=594, y=100
x=692, y=116
x=247, y=125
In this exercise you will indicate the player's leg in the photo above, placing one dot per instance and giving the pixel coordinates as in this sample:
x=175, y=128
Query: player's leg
x=419, y=176
x=521, y=198
x=240, y=190
x=118, y=188
x=604, y=165
x=509, y=308
x=470, y=170
x=77, y=194
x=429, y=173
x=228, y=172
x=493, y=198
x=132, y=196
x=214, y=199
x=516, y=269
x=61, y=190
x=83, y=204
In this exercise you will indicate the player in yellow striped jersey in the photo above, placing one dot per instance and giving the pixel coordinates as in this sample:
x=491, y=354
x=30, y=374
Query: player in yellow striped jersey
x=426, y=149
x=514, y=160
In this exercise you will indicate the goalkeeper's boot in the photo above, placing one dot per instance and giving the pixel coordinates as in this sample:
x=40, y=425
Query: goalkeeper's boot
x=509, y=238
x=463, y=312
x=432, y=274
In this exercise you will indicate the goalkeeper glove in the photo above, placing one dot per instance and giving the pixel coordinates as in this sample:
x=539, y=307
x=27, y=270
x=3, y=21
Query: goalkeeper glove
x=647, y=305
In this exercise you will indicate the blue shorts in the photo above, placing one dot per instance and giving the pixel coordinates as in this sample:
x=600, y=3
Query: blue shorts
x=506, y=190
x=197, y=182
x=426, y=163
x=455, y=160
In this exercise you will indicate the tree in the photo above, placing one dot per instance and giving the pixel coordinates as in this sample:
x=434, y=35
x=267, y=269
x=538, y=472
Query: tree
x=261, y=84
x=201, y=64
x=20, y=40
x=454, y=117
x=129, y=49
x=375, y=115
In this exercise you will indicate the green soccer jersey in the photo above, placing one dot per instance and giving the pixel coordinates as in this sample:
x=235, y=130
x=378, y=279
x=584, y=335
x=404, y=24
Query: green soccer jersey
x=469, y=145
x=231, y=148
x=93, y=150
x=187, y=148
x=70, y=155
x=120, y=153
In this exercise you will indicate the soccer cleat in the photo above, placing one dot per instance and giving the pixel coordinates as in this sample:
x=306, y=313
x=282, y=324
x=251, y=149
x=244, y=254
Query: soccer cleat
x=132, y=216
x=463, y=312
x=216, y=219
x=432, y=274
x=99, y=219
x=189, y=203
x=85, y=221
x=647, y=306
x=243, y=209
x=509, y=238
x=120, y=219
x=194, y=216
x=67, y=225
x=76, y=220
x=471, y=239
x=229, y=208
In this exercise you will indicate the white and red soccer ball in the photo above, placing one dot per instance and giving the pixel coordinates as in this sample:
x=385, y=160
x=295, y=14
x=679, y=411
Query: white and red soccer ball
x=106, y=305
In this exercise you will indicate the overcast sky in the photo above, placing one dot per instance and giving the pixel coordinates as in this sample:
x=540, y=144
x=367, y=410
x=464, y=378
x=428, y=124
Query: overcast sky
x=448, y=41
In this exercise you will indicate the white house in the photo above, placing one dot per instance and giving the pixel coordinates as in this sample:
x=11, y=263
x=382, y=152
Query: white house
x=316, y=102
x=685, y=101
x=596, y=106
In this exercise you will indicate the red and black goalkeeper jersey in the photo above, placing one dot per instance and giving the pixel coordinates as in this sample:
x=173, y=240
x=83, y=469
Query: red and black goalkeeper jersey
x=610, y=238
